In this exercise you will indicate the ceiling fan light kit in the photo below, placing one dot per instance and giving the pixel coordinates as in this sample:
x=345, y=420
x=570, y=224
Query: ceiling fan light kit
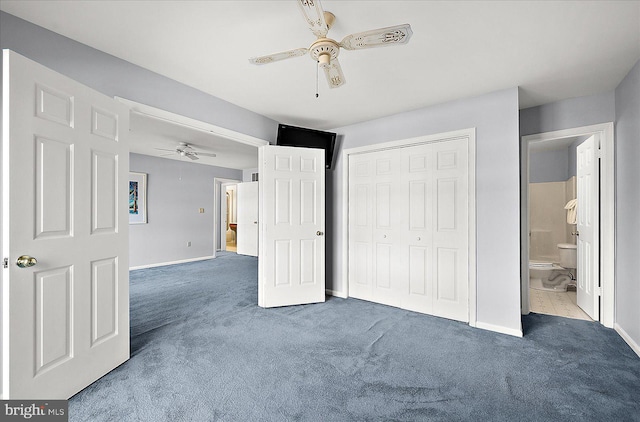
x=325, y=50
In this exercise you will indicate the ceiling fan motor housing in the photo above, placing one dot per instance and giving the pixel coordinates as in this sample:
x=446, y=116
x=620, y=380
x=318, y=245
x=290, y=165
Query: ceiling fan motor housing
x=324, y=50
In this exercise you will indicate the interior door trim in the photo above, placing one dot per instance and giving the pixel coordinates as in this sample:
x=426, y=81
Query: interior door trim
x=607, y=213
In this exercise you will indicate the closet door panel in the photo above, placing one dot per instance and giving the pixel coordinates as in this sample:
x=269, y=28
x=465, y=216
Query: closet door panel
x=417, y=233
x=361, y=170
x=390, y=215
x=450, y=230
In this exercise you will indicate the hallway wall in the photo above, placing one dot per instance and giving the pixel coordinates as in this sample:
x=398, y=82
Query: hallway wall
x=176, y=191
x=628, y=205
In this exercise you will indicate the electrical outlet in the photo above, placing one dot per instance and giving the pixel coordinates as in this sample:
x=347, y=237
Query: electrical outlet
x=188, y=244
x=201, y=210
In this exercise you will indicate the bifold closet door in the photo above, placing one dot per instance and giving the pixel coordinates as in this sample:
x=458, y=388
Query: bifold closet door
x=375, y=218
x=408, y=228
x=450, y=183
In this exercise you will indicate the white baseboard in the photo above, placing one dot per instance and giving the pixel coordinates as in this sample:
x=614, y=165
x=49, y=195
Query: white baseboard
x=163, y=264
x=335, y=293
x=499, y=329
x=627, y=338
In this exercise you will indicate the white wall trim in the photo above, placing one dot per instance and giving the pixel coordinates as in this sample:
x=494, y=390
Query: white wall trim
x=167, y=116
x=607, y=213
x=470, y=135
x=335, y=293
x=499, y=329
x=627, y=338
x=164, y=264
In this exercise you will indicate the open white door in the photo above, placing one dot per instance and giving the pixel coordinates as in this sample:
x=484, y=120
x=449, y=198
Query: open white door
x=292, y=216
x=247, y=218
x=588, y=218
x=65, y=320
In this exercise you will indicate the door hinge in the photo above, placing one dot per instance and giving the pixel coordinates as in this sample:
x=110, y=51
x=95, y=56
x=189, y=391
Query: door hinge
x=598, y=291
x=5, y=263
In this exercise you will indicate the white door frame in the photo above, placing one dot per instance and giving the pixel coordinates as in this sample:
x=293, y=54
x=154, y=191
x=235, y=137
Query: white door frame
x=470, y=135
x=220, y=184
x=607, y=213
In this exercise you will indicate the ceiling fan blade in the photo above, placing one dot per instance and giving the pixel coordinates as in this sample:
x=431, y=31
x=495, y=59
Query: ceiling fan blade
x=314, y=15
x=164, y=149
x=166, y=155
x=381, y=37
x=206, y=154
x=278, y=56
x=191, y=155
x=333, y=72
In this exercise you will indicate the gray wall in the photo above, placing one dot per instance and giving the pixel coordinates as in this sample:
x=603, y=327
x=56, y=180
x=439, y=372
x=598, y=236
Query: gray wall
x=175, y=192
x=549, y=166
x=628, y=204
x=574, y=112
x=495, y=117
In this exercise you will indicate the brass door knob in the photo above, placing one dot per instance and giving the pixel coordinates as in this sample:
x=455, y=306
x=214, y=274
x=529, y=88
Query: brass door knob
x=26, y=261
x=319, y=233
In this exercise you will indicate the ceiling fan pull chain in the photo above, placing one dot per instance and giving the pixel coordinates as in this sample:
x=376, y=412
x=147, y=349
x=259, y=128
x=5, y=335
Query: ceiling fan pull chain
x=317, y=66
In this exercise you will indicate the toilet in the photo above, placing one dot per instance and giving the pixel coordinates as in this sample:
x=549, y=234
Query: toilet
x=551, y=276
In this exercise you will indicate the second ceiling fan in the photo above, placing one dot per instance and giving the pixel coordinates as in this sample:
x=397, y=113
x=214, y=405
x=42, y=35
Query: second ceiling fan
x=183, y=149
x=325, y=50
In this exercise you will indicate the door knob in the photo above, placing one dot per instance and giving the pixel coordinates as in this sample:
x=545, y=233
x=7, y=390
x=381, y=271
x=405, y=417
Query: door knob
x=319, y=233
x=26, y=261
x=576, y=233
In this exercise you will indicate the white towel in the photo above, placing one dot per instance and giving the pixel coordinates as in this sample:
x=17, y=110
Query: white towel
x=572, y=211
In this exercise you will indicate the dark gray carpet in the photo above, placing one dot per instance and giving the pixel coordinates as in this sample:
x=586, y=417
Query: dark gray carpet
x=202, y=350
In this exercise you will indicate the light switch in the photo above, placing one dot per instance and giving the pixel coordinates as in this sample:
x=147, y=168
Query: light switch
x=201, y=210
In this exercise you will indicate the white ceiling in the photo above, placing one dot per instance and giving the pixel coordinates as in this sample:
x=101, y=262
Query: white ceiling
x=551, y=50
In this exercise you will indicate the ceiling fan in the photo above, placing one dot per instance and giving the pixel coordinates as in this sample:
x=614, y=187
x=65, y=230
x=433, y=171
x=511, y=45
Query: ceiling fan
x=325, y=50
x=185, y=150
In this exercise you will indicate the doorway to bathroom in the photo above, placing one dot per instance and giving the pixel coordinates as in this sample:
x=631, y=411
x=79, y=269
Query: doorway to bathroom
x=567, y=238
x=226, y=220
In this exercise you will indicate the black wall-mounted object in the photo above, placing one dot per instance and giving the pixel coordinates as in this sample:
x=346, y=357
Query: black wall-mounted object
x=292, y=136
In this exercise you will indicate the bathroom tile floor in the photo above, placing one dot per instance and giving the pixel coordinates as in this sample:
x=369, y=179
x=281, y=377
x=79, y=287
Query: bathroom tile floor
x=556, y=303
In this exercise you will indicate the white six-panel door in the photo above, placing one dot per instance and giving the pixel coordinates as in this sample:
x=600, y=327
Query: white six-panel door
x=65, y=163
x=247, y=230
x=291, y=255
x=408, y=228
x=588, y=208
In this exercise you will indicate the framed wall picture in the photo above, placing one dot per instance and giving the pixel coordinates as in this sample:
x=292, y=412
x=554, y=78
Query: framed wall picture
x=137, y=198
